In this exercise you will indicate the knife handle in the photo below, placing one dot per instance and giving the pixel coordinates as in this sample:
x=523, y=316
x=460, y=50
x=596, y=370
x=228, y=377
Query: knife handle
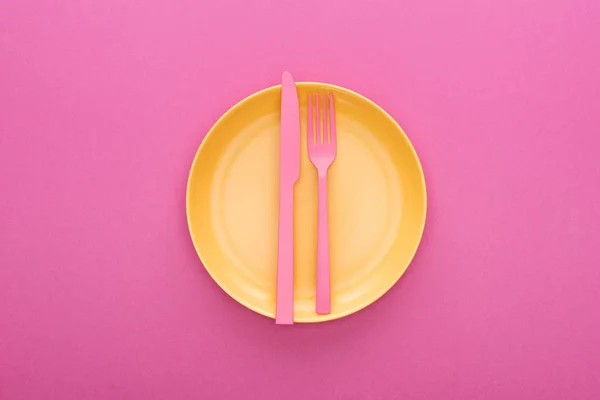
x=284, y=311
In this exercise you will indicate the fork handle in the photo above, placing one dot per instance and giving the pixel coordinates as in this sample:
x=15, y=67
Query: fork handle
x=323, y=305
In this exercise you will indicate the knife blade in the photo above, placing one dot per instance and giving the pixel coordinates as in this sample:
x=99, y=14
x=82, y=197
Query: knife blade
x=289, y=173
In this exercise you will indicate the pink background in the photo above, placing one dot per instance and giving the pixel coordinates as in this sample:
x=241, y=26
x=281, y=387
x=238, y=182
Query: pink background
x=104, y=103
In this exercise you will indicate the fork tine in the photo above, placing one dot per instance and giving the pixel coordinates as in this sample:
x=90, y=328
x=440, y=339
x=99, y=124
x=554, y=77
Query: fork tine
x=325, y=126
x=332, y=132
x=319, y=133
x=310, y=135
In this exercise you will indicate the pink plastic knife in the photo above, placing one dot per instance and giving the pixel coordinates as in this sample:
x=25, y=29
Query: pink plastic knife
x=289, y=173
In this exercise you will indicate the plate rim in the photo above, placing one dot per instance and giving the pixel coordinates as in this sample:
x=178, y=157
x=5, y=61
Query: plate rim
x=319, y=318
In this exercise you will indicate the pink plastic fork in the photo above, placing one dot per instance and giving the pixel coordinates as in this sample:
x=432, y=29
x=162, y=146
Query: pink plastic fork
x=321, y=150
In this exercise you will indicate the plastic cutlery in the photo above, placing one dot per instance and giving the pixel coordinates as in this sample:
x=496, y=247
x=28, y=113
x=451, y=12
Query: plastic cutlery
x=289, y=172
x=322, y=149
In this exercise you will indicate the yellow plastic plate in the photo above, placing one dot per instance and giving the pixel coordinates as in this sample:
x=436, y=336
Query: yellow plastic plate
x=377, y=204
